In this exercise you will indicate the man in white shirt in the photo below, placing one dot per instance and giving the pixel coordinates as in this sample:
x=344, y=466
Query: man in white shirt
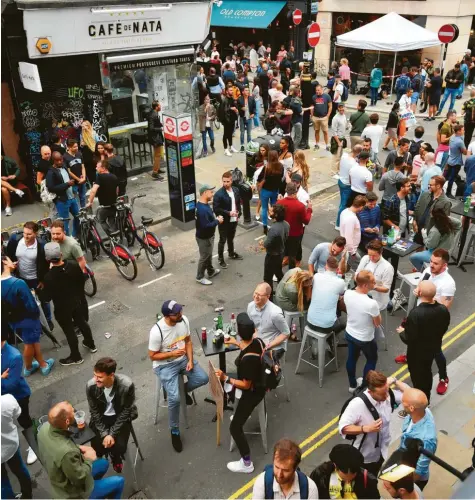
x=373, y=132
x=171, y=352
x=11, y=455
x=350, y=227
x=339, y=126
x=338, y=89
x=362, y=318
x=347, y=162
x=361, y=179
x=302, y=195
x=405, y=102
x=276, y=94
x=372, y=436
x=283, y=480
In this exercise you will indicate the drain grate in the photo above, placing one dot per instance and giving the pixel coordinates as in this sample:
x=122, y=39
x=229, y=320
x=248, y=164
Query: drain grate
x=116, y=306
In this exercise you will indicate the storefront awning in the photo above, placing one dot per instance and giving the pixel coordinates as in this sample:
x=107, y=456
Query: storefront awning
x=244, y=14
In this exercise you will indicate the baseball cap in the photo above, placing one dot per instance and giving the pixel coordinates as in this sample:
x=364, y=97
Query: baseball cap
x=206, y=187
x=296, y=178
x=52, y=251
x=171, y=307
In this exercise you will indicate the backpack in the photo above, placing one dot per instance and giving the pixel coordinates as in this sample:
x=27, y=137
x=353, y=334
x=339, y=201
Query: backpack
x=416, y=83
x=269, y=482
x=271, y=371
x=415, y=147
x=403, y=83
x=45, y=195
x=359, y=393
x=344, y=95
x=237, y=177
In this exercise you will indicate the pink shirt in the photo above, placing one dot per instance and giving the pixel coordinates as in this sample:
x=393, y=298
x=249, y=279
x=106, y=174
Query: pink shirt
x=280, y=55
x=345, y=72
x=350, y=229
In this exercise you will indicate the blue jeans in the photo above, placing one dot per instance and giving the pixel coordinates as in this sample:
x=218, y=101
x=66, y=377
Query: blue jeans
x=345, y=192
x=18, y=467
x=258, y=110
x=448, y=92
x=267, y=196
x=247, y=125
x=452, y=172
x=210, y=132
x=66, y=207
x=374, y=95
x=369, y=349
x=33, y=284
x=109, y=487
x=169, y=374
x=419, y=258
x=80, y=190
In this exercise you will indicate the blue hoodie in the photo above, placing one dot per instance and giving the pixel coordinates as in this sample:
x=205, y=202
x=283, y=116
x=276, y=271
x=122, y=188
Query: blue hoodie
x=16, y=293
x=14, y=384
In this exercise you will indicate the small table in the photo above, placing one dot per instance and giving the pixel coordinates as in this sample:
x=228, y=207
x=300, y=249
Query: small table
x=393, y=254
x=82, y=436
x=458, y=209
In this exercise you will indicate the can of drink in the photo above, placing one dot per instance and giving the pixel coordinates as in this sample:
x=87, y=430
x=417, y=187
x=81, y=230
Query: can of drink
x=215, y=320
x=204, y=336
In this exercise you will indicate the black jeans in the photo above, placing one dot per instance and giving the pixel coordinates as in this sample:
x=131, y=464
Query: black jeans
x=374, y=467
x=18, y=468
x=441, y=365
x=420, y=369
x=469, y=129
x=122, y=187
x=294, y=250
x=265, y=100
x=106, y=218
x=228, y=129
x=117, y=451
x=227, y=231
x=78, y=315
x=249, y=400
x=24, y=419
x=273, y=265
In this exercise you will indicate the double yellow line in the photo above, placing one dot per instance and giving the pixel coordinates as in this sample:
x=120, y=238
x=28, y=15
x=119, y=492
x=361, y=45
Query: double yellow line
x=330, y=429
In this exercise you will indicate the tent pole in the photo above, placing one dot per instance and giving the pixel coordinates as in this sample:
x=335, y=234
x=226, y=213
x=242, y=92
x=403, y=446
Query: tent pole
x=394, y=72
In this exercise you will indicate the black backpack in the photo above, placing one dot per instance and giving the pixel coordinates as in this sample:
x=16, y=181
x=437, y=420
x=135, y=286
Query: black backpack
x=359, y=393
x=237, y=177
x=271, y=371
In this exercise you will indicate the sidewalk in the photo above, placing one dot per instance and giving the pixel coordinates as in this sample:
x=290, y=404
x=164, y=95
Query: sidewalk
x=454, y=415
x=207, y=171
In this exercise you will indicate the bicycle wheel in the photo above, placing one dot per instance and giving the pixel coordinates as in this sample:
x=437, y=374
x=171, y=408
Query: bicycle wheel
x=90, y=285
x=124, y=261
x=83, y=233
x=154, y=250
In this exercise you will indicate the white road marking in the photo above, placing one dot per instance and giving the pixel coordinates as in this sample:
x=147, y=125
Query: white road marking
x=153, y=281
x=98, y=304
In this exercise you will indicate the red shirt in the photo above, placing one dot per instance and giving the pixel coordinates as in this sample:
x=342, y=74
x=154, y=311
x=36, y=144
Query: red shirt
x=296, y=214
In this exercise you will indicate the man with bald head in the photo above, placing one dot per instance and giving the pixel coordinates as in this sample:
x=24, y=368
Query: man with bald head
x=44, y=165
x=59, y=183
x=74, y=471
x=425, y=327
x=419, y=424
x=269, y=320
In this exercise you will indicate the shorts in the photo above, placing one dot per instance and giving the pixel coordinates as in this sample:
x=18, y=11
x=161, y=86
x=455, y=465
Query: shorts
x=414, y=97
x=434, y=100
x=30, y=335
x=392, y=133
x=320, y=123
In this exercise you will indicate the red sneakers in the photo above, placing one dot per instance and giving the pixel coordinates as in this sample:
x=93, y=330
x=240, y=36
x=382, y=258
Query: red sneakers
x=442, y=386
x=401, y=360
x=118, y=467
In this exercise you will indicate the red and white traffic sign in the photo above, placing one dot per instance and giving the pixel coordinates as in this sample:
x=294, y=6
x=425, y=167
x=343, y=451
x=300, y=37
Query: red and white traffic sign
x=297, y=16
x=313, y=36
x=170, y=125
x=447, y=33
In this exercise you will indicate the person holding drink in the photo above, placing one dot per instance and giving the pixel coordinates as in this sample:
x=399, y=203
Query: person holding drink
x=245, y=386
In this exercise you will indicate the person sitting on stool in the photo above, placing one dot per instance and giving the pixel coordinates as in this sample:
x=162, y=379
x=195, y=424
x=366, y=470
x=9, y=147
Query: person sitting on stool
x=111, y=400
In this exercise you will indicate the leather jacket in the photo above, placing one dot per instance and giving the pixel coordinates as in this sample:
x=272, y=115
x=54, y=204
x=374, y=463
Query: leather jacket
x=123, y=394
x=155, y=129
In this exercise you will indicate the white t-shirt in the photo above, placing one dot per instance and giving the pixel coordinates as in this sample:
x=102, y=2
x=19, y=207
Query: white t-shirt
x=233, y=205
x=339, y=89
x=27, y=257
x=350, y=229
x=444, y=284
x=373, y=132
x=110, y=412
x=360, y=310
x=383, y=273
x=471, y=148
x=302, y=195
x=347, y=162
x=405, y=104
x=173, y=338
x=359, y=176
x=402, y=215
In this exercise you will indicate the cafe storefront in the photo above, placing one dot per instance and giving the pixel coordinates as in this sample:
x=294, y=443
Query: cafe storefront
x=102, y=64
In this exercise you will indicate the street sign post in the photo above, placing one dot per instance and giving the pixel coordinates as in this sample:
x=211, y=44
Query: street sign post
x=313, y=36
x=297, y=16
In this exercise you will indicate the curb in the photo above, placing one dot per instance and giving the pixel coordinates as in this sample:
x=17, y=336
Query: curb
x=387, y=111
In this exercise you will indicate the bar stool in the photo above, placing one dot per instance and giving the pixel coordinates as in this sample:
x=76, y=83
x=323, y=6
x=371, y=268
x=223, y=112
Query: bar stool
x=138, y=452
x=412, y=280
x=291, y=315
x=121, y=144
x=141, y=139
x=321, y=337
x=262, y=414
x=284, y=382
x=159, y=389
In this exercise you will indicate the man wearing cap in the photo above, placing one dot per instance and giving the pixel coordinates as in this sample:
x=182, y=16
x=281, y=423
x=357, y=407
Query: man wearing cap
x=171, y=352
x=302, y=195
x=206, y=223
x=64, y=285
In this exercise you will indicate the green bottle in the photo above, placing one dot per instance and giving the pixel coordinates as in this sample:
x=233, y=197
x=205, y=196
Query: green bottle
x=220, y=321
x=466, y=205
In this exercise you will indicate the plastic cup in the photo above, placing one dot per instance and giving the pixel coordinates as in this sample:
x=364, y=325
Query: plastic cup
x=42, y=420
x=80, y=417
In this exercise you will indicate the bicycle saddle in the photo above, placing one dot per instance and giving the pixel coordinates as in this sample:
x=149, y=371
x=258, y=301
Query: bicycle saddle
x=113, y=234
x=146, y=220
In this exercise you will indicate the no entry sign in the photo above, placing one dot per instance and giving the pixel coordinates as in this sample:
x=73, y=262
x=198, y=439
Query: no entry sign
x=297, y=16
x=448, y=33
x=313, y=34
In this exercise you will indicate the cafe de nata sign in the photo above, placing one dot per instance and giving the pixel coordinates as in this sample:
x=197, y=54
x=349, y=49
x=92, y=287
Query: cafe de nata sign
x=73, y=31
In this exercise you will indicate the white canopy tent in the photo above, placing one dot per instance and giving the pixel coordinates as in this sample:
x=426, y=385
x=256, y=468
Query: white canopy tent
x=392, y=33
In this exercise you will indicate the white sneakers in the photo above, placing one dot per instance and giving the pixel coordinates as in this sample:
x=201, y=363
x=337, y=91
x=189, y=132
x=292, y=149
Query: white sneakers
x=359, y=382
x=204, y=281
x=233, y=149
x=19, y=193
x=31, y=458
x=227, y=152
x=8, y=211
x=240, y=466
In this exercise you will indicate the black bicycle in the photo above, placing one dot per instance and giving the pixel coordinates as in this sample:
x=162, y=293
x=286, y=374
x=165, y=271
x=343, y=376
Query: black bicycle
x=148, y=241
x=120, y=255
